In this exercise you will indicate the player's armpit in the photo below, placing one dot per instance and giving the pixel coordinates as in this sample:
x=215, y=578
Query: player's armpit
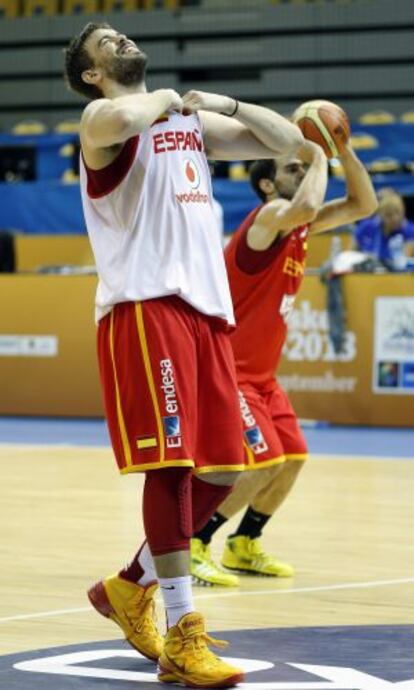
x=226, y=139
x=277, y=218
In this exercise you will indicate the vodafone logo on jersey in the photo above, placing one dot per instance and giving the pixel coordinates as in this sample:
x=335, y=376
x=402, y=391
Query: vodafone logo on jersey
x=193, y=178
x=191, y=173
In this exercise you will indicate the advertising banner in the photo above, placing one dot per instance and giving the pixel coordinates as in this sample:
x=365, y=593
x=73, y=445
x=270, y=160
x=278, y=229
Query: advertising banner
x=393, y=370
x=371, y=380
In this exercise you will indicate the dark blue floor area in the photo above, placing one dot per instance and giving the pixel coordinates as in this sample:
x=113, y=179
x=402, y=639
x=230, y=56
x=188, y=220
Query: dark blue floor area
x=335, y=440
x=346, y=657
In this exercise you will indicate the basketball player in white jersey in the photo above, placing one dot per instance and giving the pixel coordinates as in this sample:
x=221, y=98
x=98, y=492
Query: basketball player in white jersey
x=164, y=310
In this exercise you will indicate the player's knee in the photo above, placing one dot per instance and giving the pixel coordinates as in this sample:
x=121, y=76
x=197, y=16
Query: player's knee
x=167, y=510
x=220, y=478
x=289, y=472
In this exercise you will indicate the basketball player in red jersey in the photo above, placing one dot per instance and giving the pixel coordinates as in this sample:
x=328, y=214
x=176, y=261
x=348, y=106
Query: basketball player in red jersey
x=163, y=307
x=265, y=262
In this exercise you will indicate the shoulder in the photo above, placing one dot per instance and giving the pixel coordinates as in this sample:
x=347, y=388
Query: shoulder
x=270, y=210
x=93, y=107
x=247, y=259
x=267, y=224
x=238, y=237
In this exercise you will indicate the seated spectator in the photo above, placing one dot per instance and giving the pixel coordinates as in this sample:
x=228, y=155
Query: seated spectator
x=388, y=236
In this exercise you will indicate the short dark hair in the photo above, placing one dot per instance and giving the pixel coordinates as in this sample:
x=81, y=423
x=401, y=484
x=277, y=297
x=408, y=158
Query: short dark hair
x=77, y=60
x=265, y=169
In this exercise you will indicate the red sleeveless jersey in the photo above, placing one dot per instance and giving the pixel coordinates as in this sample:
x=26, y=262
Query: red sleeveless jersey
x=263, y=286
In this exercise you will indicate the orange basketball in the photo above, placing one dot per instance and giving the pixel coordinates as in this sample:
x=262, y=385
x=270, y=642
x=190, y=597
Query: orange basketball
x=324, y=123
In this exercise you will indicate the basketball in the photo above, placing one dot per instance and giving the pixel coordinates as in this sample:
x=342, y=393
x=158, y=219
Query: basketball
x=324, y=123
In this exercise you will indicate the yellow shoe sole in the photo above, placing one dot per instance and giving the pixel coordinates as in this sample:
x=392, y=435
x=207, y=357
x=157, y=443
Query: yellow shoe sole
x=167, y=676
x=252, y=571
x=227, y=581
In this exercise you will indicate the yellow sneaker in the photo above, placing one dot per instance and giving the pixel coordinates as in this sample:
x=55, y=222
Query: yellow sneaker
x=186, y=658
x=131, y=606
x=246, y=554
x=203, y=569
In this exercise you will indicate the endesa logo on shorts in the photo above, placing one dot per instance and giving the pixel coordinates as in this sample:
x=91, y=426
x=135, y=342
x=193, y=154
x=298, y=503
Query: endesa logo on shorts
x=171, y=422
x=246, y=414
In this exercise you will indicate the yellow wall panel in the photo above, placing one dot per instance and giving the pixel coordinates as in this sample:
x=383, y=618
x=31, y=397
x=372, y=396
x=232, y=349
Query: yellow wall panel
x=59, y=307
x=9, y=8
x=33, y=251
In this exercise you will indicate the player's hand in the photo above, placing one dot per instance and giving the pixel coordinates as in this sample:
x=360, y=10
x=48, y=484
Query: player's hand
x=202, y=100
x=174, y=98
x=309, y=150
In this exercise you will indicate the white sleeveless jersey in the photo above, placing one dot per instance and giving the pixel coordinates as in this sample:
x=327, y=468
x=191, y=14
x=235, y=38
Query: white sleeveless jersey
x=151, y=223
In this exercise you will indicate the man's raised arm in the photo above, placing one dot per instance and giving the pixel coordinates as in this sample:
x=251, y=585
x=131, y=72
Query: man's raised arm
x=237, y=130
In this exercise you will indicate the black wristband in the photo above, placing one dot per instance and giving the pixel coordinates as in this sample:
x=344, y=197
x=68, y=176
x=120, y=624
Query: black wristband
x=236, y=107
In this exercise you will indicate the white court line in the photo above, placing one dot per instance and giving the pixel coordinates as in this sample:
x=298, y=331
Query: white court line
x=44, y=614
x=299, y=590
x=222, y=595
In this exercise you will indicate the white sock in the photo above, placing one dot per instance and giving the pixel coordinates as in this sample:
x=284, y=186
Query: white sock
x=178, y=597
x=147, y=564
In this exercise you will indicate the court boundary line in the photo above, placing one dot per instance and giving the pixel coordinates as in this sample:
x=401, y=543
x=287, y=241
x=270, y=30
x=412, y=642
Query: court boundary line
x=222, y=595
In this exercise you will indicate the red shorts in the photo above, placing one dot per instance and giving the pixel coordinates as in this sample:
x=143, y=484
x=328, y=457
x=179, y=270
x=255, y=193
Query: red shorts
x=169, y=385
x=271, y=430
